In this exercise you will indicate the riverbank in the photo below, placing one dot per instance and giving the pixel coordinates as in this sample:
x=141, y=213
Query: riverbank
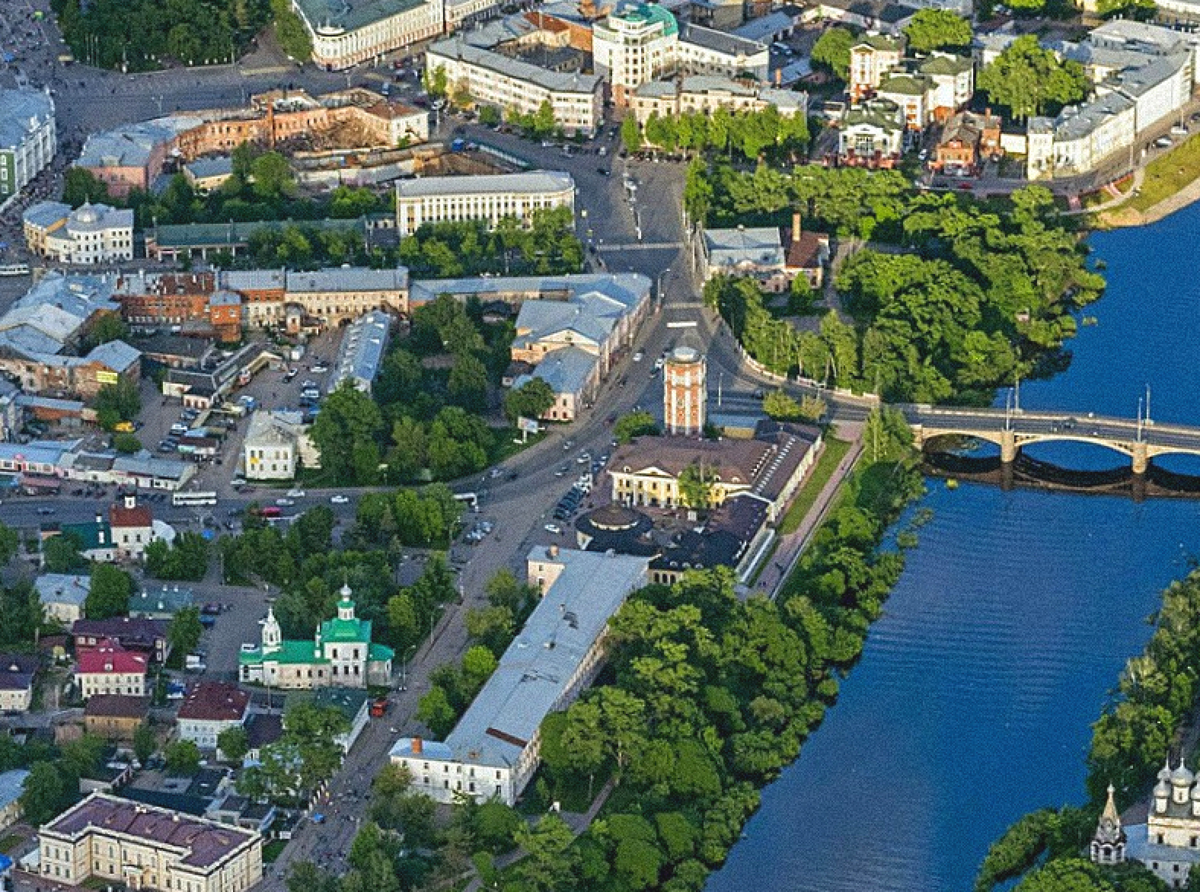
x=1168, y=184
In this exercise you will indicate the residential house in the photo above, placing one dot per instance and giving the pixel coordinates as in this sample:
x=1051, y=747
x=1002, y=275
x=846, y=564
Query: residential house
x=871, y=135
x=12, y=786
x=967, y=140
x=110, y=669
x=208, y=709
x=276, y=445
x=871, y=59
x=953, y=80
x=63, y=595
x=913, y=95
x=83, y=236
x=17, y=675
x=144, y=636
x=115, y=716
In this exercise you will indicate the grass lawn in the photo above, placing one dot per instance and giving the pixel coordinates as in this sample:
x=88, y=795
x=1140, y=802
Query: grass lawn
x=1167, y=175
x=272, y=850
x=10, y=841
x=835, y=451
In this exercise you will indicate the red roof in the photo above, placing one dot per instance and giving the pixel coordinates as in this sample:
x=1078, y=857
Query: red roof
x=215, y=701
x=109, y=660
x=137, y=516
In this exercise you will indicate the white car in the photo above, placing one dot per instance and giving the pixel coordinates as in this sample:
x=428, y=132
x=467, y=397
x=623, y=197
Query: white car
x=553, y=528
x=285, y=503
x=296, y=493
x=639, y=356
x=320, y=368
x=339, y=500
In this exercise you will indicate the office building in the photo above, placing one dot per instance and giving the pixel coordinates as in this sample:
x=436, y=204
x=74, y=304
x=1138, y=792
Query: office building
x=86, y=236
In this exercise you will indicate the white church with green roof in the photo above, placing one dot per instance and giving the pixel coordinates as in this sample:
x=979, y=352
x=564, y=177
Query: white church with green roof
x=341, y=655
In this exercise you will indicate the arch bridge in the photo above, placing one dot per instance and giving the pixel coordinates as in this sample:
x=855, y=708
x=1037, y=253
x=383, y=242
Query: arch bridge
x=1139, y=439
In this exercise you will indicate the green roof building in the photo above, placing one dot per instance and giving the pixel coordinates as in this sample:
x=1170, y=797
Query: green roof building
x=340, y=655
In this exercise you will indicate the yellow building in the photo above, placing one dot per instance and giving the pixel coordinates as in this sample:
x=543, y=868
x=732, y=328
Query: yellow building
x=146, y=847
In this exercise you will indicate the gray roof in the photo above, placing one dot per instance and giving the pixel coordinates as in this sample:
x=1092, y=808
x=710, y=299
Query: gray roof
x=765, y=27
x=79, y=295
x=527, y=183
x=719, y=41
x=160, y=599
x=347, y=15
x=210, y=167
x=348, y=278
x=97, y=217
x=732, y=247
x=11, y=783
x=21, y=113
x=116, y=355
x=532, y=677
x=146, y=465
x=45, y=214
x=132, y=144
x=361, y=352
x=565, y=371
x=253, y=279
x=554, y=81
x=62, y=588
x=629, y=288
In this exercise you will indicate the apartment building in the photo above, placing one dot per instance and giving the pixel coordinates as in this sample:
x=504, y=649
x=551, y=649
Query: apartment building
x=871, y=58
x=704, y=94
x=488, y=197
x=491, y=78
x=28, y=138
x=110, y=669
x=146, y=847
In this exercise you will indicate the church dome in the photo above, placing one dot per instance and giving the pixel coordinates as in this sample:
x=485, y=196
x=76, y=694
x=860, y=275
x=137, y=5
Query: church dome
x=1162, y=790
x=1164, y=773
x=1181, y=777
x=87, y=214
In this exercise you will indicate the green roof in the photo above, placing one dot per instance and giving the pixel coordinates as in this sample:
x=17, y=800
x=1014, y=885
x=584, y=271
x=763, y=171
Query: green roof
x=289, y=652
x=88, y=534
x=346, y=630
x=652, y=12
x=945, y=65
x=379, y=653
x=878, y=42
x=905, y=85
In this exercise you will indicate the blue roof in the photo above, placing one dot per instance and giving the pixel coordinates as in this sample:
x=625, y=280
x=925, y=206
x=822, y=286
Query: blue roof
x=10, y=787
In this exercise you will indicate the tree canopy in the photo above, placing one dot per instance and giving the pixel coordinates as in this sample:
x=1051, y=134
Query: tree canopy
x=934, y=29
x=1030, y=80
x=832, y=51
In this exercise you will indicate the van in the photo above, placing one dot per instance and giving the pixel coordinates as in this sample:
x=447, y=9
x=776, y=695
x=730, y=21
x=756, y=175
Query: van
x=124, y=427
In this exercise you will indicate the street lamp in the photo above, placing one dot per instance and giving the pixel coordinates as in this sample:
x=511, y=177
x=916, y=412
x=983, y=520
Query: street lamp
x=432, y=613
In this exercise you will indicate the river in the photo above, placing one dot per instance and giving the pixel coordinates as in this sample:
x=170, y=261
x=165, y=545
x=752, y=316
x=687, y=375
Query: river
x=973, y=700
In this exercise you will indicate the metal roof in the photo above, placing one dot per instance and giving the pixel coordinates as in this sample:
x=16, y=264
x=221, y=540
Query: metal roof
x=529, y=182
x=361, y=352
x=21, y=113
x=553, y=81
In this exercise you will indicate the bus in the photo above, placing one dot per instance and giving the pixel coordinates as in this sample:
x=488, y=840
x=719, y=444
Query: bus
x=190, y=499
x=14, y=269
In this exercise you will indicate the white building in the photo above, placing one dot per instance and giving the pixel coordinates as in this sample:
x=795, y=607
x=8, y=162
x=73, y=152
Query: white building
x=953, y=82
x=210, y=708
x=707, y=51
x=704, y=94
x=488, y=197
x=493, y=751
x=276, y=443
x=347, y=33
x=146, y=847
x=1169, y=842
x=871, y=135
x=62, y=595
x=87, y=236
x=28, y=138
x=871, y=58
x=110, y=669
x=361, y=352
x=491, y=78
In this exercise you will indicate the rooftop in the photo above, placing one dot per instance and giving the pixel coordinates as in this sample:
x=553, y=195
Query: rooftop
x=719, y=41
x=62, y=588
x=22, y=112
x=215, y=701
x=361, y=352
x=565, y=370
x=132, y=145
x=117, y=706
x=734, y=247
x=555, y=81
x=527, y=183
x=330, y=17
x=11, y=786
x=346, y=278
x=205, y=843
x=111, y=660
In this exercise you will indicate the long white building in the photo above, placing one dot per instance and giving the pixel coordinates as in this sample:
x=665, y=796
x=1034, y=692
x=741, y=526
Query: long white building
x=28, y=138
x=489, y=197
x=493, y=751
x=492, y=78
x=347, y=32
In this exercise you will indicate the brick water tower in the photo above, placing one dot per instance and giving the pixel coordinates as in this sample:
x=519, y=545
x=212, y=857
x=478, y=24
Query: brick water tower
x=685, y=391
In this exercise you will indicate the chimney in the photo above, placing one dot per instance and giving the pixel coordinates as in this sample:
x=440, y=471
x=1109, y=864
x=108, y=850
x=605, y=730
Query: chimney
x=795, y=227
x=99, y=518
x=417, y=746
x=552, y=551
x=779, y=77
x=131, y=501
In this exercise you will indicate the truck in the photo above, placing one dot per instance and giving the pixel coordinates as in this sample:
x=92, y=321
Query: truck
x=194, y=663
x=379, y=707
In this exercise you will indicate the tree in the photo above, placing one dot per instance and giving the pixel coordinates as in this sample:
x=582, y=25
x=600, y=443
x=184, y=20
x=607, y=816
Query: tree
x=468, y=383
x=185, y=558
x=144, y=742
x=109, y=327
x=345, y=432
x=435, y=711
x=61, y=553
x=290, y=32
x=10, y=543
x=126, y=443
x=489, y=115
x=81, y=185
x=781, y=407
x=631, y=134
x=550, y=862
x=531, y=400
x=696, y=486
x=832, y=51
x=634, y=424
x=1029, y=79
x=46, y=791
x=182, y=756
x=185, y=630
x=434, y=81
x=934, y=29
x=233, y=743
x=478, y=664
x=111, y=588
x=115, y=403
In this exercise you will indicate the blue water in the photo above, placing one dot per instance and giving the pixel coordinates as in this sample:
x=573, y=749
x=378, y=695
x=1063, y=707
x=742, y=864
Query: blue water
x=973, y=700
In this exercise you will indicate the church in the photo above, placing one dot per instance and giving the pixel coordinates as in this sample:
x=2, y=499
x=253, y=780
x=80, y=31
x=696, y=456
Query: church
x=1168, y=843
x=340, y=655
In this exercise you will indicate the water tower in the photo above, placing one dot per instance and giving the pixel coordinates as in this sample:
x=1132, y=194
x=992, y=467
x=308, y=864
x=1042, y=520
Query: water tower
x=685, y=391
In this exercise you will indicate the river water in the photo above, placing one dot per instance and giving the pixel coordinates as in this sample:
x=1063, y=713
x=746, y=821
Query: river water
x=973, y=700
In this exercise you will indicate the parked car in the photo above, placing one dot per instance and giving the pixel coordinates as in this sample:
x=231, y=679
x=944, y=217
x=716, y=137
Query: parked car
x=285, y=503
x=553, y=528
x=339, y=500
x=296, y=493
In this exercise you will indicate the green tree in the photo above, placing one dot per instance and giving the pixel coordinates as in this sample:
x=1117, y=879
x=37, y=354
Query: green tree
x=10, y=543
x=696, y=486
x=934, y=29
x=550, y=862
x=478, y=664
x=182, y=757
x=468, y=383
x=435, y=711
x=832, y=51
x=489, y=115
x=115, y=403
x=81, y=185
x=109, y=593
x=233, y=743
x=185, y=630
x=631, y=134
x=290, y=32
x=634, y=424
x=61, y=554
x=1028, y=79
x=781, y=407
x=531, y=400
x=491, y=626
x=46, y=791
x=345, y=431
x=434, y=81
x=144, y=742
x=108, y=327
x=126, y=443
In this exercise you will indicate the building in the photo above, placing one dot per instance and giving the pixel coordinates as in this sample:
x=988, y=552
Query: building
x=953, y=80
x=1167, y=842
x=871, y=135
x=62, y=596
x=276, y=444
x=132, y=527
x=200, y=241
x=685, y=392
x=132, y=156
x=17, y=675
x=28, y=138
x=145, y=636
x=512, y=85
x=772, y=256
x=115, y=716
x=1108, y=843
x=487, y=197
x=494, y=749
x=704, y=94
x=913, y=94
x=162, y=602
x=146, y=847
x=769, y=467
x=967, y=141
x=345, y=34
x=334, y=295
x=360, y=355
x=110, y=669
x=206, y=174
x=209, y=708
x=11, y=787
x=708, y=51
x=871, y=59
x=86, y=236
x=352, y=703
x=341, y=655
